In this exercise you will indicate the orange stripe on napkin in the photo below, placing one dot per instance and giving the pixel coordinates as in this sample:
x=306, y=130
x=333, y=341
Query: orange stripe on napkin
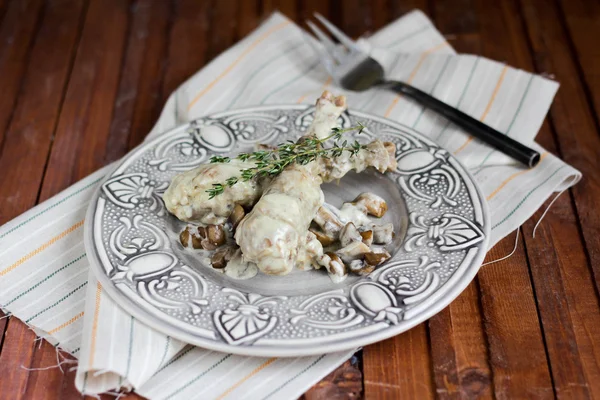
x=513, y=176
x=41, y=248
x=244, y=379
x=487, y=108
x=413, y=73
x=63, y=326
x=95, y=324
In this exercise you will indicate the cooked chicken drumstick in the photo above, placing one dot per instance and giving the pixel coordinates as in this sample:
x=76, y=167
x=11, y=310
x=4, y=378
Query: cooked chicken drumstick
x=276, y=230
x=187, y=196
x=188, y=200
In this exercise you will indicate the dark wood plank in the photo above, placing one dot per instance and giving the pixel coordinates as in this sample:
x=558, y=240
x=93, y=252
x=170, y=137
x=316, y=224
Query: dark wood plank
x=45, y=380
x=248, y=17
x=571, y=116
x=399, y=368
x=28, y=137
x=460, y=357
x=81, y=136
x=3, y=322
x=355, y=17
x=563, y=277
x=309, y=7
x=139, y=98
x=16, y=35
x=379, y=16
x=564, y=288
x=517, y=354
x=223, y=19
x=149, y=102
x=16, y=355
x=17, y=29
x=287, y=7
x=187, y=44
x=400, y=7
x=510, y=313
x=458, y=21
x=345, y=382
x=583, y=23
x=3, y=7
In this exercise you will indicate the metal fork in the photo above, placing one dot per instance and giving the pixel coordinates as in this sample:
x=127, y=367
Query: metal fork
x=353, y=69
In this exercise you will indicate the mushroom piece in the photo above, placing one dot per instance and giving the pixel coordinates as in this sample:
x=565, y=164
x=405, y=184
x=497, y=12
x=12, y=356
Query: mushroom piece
x=221, y=257
x=354, y=251
x=360, y=267
x=324, y=238
x=383, y=234
x=349, y=234
x=328, y=221
x=237, y=215
x=374, y=259
x=372, y=204
x=190, y=237
x=367, y=237
x=207, y=238
x=215, y=236
x=334, y=264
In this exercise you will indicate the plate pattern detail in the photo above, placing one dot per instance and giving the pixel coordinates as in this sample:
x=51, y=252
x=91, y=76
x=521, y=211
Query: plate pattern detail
x=445, y=239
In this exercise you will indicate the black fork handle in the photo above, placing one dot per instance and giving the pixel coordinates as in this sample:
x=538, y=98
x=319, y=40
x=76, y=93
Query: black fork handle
x=478, y=129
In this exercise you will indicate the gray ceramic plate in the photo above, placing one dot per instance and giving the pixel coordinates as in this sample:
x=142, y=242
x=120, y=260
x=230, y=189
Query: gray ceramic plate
x=440, y=218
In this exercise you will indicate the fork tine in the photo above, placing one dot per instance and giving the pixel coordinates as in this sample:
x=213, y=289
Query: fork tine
x=338, y=34
x=325, y=57
x=325, y=40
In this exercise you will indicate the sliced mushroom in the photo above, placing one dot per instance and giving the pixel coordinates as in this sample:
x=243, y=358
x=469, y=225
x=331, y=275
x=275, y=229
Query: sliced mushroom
x=207, y=238
x=375, y=259
x=324, y=238
x=222, y=256
x=367, y=237
x=190, y=237
x=334, y=264
x=349, y=234
x=383, y=234
x=354, y=251
x=356, y=265
x=215, y=235
x=236, y=215
x=360, y=267
x=328, y=221
x=373, y=204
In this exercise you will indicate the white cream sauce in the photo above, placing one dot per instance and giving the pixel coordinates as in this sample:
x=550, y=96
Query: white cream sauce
x=237, y=268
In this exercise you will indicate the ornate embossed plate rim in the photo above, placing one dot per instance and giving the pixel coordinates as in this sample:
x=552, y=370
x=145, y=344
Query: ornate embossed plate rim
x=293, y=347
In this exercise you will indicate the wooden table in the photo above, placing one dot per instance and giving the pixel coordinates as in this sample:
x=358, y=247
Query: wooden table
x=82, y=82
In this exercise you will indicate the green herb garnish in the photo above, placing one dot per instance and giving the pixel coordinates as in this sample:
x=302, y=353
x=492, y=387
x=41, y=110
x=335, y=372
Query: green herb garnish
x=272, y=162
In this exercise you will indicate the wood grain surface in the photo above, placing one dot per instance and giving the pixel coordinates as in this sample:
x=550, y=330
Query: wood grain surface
x=78, y=93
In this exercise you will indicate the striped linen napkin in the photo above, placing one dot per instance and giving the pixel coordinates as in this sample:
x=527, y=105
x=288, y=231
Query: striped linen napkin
x=44, y=274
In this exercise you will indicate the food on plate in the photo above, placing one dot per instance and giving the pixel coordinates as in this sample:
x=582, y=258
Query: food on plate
x=267, y=210
x=203, y=237
x=187, y=197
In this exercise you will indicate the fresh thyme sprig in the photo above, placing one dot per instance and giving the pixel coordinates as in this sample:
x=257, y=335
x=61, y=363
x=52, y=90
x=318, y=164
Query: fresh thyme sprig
x=273, y=162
